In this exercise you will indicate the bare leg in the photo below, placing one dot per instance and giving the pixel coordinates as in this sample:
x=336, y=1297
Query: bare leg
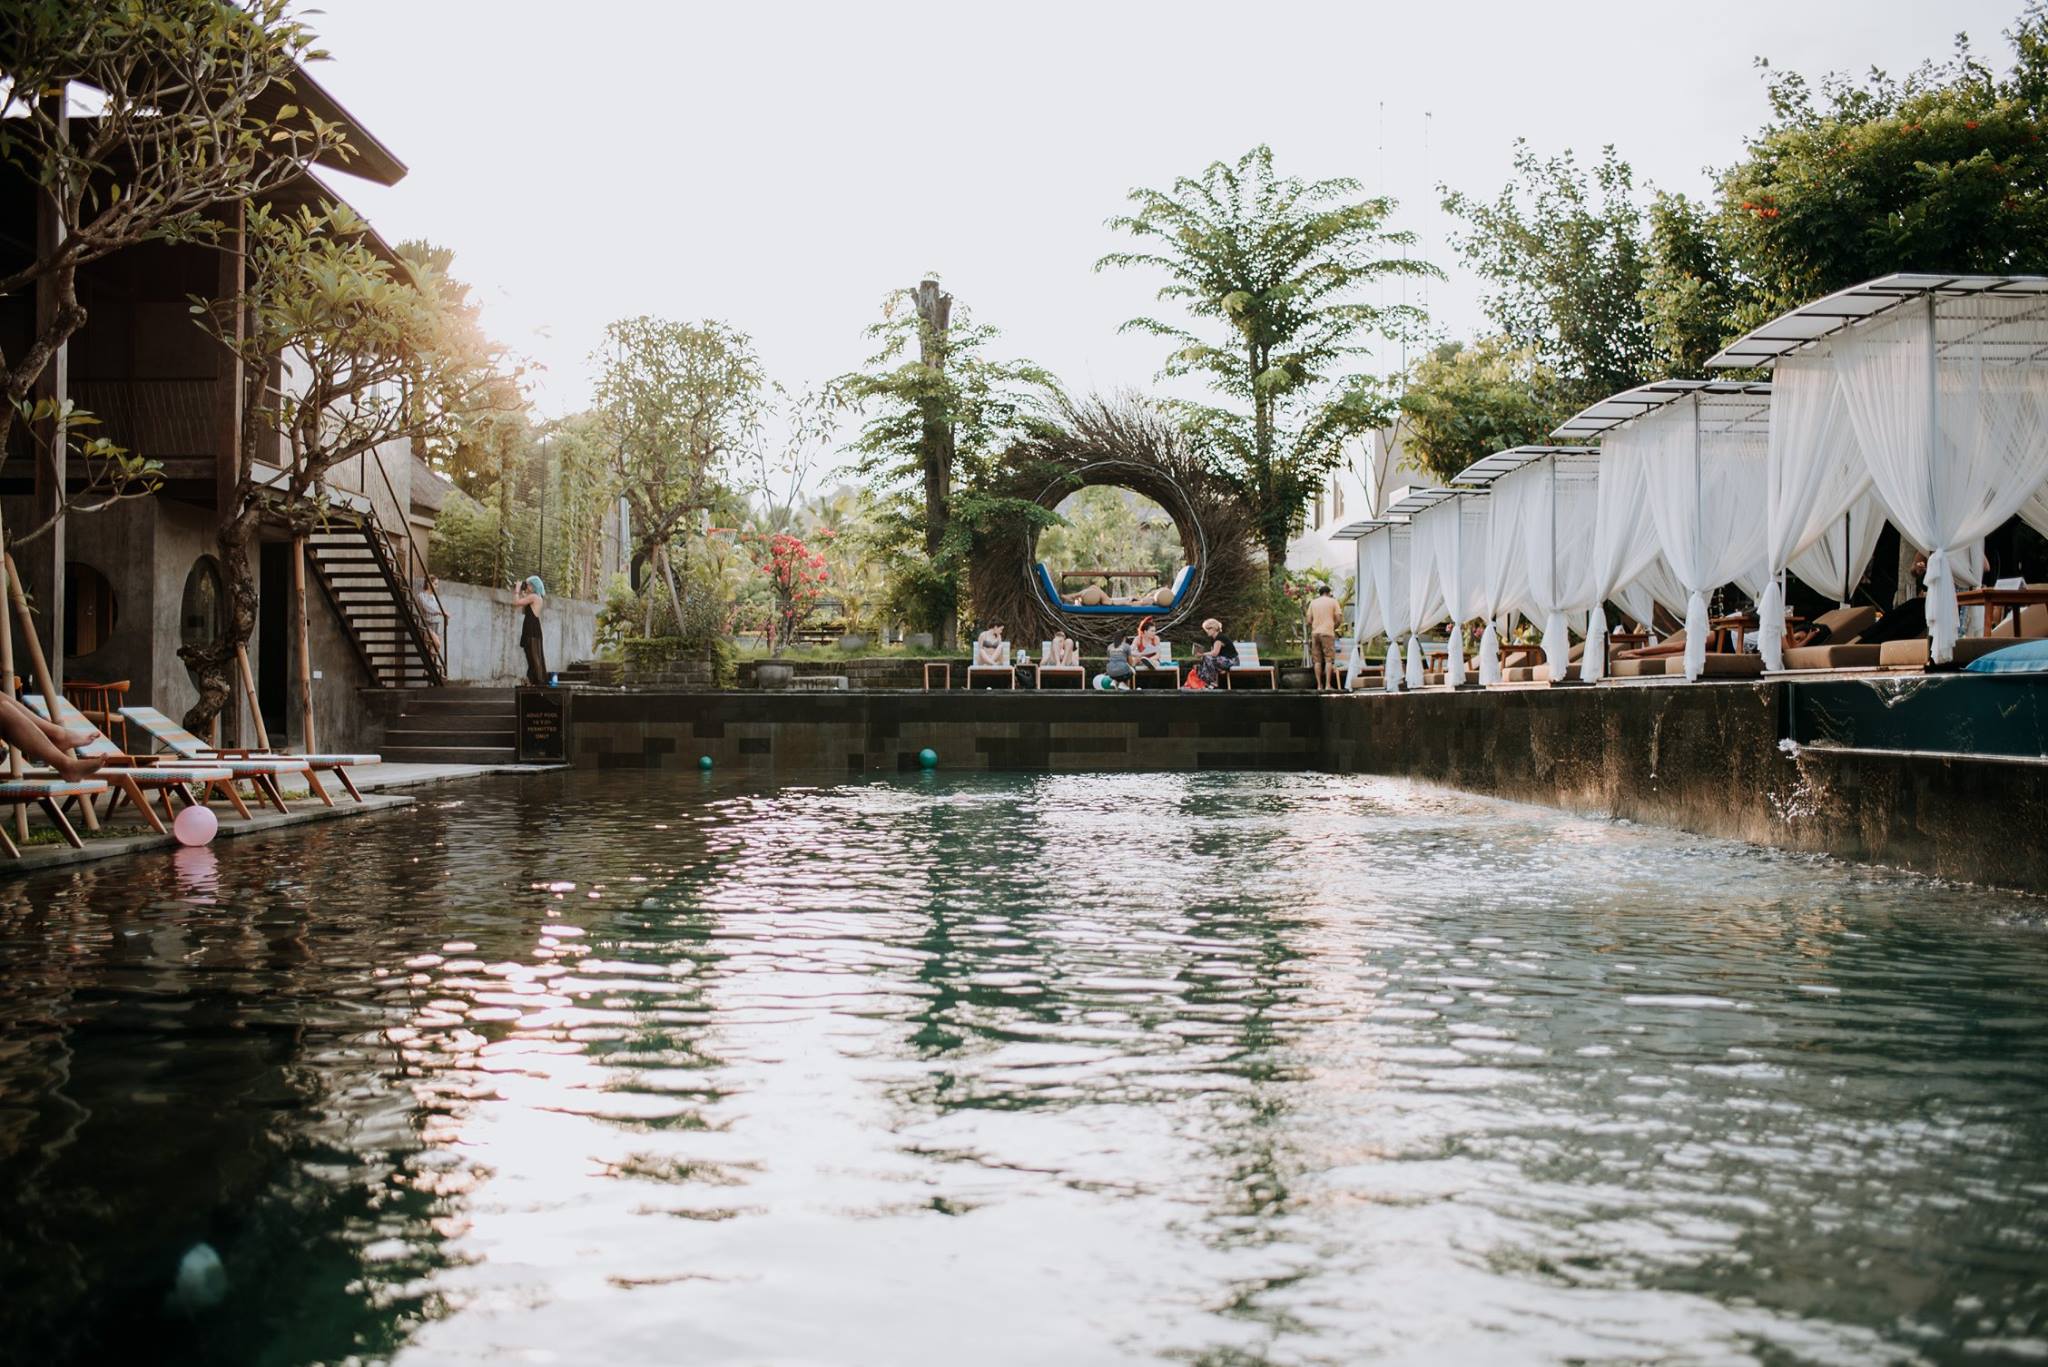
x=68, y=738
x=23, y=730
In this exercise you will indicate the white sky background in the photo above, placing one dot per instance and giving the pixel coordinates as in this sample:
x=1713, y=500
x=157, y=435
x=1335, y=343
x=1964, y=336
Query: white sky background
x=781, y=166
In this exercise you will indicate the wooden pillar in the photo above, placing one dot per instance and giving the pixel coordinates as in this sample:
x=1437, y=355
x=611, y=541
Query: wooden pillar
x=304, y=639
x=226, y=435
x=52, y=465
x=249, y=695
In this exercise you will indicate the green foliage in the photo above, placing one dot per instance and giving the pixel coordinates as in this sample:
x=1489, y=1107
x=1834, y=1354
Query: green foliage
x=1269, y=267
x=1466, y=402
x=618, y=616
x=677, y=404
x=1567, y=258
x=1944, y=171
x=1106, y=527
x=653, y=652
x=465, y=546
x=928, y=389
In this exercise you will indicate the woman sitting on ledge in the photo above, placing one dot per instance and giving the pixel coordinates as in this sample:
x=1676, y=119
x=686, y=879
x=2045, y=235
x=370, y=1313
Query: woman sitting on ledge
x=1145, y=643
x=1064, y=654
x=1217, y=658
x=988, y=648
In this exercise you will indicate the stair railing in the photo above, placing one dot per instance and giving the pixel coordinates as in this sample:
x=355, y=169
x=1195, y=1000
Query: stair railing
x=431, y=647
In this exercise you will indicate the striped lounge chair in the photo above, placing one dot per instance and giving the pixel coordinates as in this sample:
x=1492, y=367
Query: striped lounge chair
x=131, y=776
x=48, y=793
x=255, y=767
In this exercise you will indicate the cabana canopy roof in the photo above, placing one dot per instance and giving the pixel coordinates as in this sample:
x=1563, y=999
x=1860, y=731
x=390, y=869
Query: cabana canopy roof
x=1734, y=406
x=1351, y=531
x=1417, y=500
x=1822, y=318
x=1487, y=469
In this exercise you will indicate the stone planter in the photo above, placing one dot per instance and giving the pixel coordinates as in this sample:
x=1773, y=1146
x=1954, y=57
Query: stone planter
x=773, y=674
x=852, y=642
x=1298, y=678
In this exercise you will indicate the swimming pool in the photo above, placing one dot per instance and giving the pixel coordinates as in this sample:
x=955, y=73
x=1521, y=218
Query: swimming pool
x=1201, y=1068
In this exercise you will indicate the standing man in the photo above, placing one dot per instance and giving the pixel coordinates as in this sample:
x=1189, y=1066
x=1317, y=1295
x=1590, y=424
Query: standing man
x=1322, y=637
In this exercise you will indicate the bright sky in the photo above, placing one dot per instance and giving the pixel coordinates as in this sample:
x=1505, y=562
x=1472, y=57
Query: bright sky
x=781, y=166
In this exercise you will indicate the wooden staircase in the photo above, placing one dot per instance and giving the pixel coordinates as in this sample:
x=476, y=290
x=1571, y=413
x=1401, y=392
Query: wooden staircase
x=354, y=563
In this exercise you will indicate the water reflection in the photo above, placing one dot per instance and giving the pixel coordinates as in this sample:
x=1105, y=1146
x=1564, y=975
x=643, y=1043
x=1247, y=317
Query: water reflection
x=1203, y=1068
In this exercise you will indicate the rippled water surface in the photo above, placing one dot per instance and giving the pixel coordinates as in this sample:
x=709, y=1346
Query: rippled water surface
x=1213, y=1069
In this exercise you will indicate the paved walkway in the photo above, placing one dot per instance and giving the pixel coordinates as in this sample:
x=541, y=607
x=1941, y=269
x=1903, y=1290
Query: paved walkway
x=377, y=782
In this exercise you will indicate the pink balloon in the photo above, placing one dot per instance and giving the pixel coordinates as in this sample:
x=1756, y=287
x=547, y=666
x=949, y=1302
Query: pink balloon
x=195, y=826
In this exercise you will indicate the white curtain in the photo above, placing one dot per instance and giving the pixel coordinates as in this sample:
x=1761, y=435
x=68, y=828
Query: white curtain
x=1624, y=542
x=1555, y=500
x=1813, y=476
x=1655, y=587
x=1833, y=562
x=1368, y=619
x=1949, y=401
x=1705, y=488
x=1455, y=531
x=1390, y=588
x=1425, y=595
x=1503, y=588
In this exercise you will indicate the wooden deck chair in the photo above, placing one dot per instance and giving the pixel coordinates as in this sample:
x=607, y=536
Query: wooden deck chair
x=129, y=776
x=325, y=762
x=254, y=767
x=46, y=793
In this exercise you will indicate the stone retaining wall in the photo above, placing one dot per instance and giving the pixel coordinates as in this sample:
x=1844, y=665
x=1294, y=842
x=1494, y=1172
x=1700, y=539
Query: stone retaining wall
x=854, y=733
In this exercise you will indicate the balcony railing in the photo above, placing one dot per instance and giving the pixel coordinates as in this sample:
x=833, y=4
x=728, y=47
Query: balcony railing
x=159, y=419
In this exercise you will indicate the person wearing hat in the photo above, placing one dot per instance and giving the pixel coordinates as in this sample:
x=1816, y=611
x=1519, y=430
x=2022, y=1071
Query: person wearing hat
x=530, y=596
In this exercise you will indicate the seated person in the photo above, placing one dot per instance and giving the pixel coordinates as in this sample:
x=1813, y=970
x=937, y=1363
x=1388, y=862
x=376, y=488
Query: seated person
x=1066, y=654
x=1118, y=671
x=1145, y=644
x=1907, y=621
x=1218, y=657
x=988, y=648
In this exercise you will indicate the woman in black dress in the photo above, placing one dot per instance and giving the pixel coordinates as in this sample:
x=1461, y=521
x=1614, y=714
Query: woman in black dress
x=530, y=596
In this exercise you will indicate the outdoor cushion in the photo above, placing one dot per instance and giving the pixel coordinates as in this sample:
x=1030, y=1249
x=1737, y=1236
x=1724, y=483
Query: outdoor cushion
x=1832, y=657
x=1643, y=666
x=1844, y=625
x=1913, y=653
x=50, y=787
x=325, y=760
x=2028, y=657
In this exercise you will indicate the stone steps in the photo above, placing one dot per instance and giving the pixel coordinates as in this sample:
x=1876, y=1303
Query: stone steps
x=454, y=726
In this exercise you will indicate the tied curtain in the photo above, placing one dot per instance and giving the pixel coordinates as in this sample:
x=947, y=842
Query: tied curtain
x=1949, y=402
x=1390, y=591
x=1457, y=554
x=1368, y=618
x=1655, y=587
x=1555, y=500
x=1426, y=597
x=1704, y=486
x=1503, y=587
x=1815, y=481
x=1624, y=543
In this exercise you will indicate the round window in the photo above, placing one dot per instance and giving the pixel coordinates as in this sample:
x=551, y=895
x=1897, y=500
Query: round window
x=88, y=610
x=200, y=611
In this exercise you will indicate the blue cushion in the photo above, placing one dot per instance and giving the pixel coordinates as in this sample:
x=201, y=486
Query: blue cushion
x=2028, y=657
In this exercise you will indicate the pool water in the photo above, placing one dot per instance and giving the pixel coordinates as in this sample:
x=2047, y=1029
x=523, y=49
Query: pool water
x=1208, y=1069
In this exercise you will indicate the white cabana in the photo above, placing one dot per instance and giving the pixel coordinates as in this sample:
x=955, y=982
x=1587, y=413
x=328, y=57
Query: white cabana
x=1386, y=579
x=1425, y=594
x=1454, y=531
x=1703, y=445
x=1368, y=614
x=1552, y=498
x=1624, y=547
x=1944, y=380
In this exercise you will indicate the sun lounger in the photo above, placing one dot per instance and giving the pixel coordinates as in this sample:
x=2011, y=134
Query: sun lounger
x=130, y=776
x=47, y=793
x=252, y=766
x=1842, y=648
x=1248, y=672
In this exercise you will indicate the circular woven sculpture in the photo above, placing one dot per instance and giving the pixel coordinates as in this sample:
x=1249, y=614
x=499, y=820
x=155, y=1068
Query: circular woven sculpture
x=1130, y=445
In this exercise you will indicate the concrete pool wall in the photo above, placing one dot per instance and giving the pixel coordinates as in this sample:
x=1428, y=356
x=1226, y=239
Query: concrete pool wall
x=1706, y=758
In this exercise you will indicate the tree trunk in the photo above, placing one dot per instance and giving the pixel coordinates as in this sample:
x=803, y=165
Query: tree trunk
x=675, y=600
x=935, y=318
x=212, y=665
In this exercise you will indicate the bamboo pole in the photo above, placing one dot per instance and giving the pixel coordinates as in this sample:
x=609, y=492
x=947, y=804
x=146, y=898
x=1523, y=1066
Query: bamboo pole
x=299, y=624
x=7, y=669
x=40, y=665
x=249, y=693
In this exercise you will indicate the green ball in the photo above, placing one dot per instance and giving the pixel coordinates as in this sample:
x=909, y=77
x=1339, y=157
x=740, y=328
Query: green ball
x=703, y=761
x=928, y=758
